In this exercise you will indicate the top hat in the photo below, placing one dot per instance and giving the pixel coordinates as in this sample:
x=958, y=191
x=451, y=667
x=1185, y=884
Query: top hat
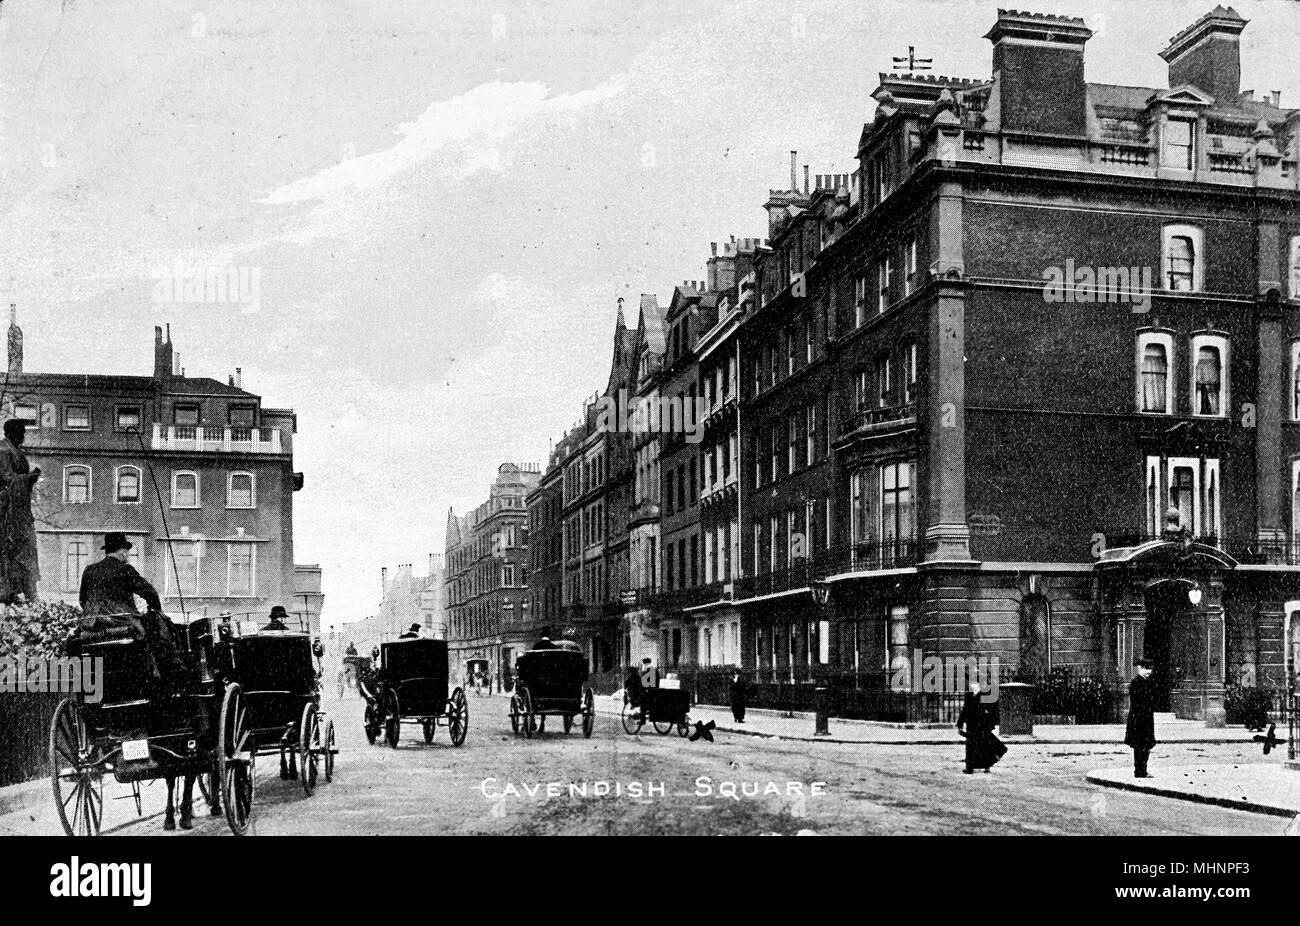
x=278, y=611
x=416, y=627
x=647, y=659
x=115, y=540
x=1144, y=663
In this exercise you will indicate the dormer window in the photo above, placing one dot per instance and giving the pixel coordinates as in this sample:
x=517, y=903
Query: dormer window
x=1178, y=144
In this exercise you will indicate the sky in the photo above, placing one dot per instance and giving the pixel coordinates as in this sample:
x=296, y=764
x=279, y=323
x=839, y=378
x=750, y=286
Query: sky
x=435, y=206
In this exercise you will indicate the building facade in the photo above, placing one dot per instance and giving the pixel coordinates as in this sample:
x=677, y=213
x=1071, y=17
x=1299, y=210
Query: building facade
x=487, y=602
x=196, y=472
x=1024, y=387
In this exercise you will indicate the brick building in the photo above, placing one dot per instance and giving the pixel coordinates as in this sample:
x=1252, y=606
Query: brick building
x=1026, y=385
x=198, y=474
x=1000, y=455
x=486, y=560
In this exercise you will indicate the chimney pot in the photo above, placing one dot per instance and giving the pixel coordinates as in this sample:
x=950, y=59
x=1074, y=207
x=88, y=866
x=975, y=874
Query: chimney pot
x=15, y=341
x=805, y=180
x=794, y=170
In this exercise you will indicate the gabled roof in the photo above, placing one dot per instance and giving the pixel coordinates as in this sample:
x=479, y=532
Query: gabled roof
x=650, y=323
x=455, y=530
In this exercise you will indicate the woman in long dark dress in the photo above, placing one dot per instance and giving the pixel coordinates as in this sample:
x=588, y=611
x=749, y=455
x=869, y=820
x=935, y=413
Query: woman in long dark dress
x=739, y=689
x=975, y=722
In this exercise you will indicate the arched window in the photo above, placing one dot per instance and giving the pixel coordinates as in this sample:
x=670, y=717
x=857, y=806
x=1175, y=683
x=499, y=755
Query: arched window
x=1154, y=356
x=1035, y=635
x=128, y=485
x=1210, y=375
x=239, y=491
x=185, y=490
x=1183, y=258
x=76, y=485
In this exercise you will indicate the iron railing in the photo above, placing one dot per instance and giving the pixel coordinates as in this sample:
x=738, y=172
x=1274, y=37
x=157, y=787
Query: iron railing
x=25, y=718
x=859, y=696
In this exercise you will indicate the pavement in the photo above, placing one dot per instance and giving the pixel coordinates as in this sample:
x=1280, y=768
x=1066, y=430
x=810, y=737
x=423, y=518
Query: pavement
x=802, y=726
x=1260, y=788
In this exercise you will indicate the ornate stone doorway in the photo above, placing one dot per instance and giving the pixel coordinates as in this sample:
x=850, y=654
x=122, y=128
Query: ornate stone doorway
x=1175, y=639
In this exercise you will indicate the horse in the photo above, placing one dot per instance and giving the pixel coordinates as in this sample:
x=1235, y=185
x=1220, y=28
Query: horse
x=187, y=802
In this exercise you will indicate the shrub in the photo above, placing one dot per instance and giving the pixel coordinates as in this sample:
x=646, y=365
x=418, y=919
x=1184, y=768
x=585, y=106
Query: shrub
x=39, y=628
x=1086, y=699
x=1248, y=706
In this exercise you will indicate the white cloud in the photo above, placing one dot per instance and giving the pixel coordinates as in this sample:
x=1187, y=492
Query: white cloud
x=479, y=120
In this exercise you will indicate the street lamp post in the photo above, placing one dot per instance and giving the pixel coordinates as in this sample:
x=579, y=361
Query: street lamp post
x=500, y=663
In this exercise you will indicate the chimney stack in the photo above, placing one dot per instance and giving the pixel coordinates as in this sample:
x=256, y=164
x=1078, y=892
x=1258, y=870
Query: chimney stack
x=163, y=364
x=1038, y=71
x=15, y=341
x=239, y=377
x=805, y=180
x=1207, y=54
x=794, y=170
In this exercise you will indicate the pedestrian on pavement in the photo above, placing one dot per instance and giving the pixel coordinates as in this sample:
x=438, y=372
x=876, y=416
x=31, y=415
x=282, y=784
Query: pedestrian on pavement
x=1140, y=731
x=975, y=722
x=739, y=689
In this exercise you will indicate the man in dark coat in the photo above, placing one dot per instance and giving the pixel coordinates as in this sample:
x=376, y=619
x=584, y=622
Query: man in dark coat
x=412, y=633
x=108, y=592
x=278, y=617
x=1140, y=731
x=739, y=691
x=975, y=722
x=19, y=569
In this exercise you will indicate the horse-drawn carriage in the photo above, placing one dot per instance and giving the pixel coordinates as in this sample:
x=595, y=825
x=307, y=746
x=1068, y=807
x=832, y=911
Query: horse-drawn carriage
x=665, y=708
x=280, y=690
x=551, y=681
x=410, y=686
x=354, y=667
x=145, y=727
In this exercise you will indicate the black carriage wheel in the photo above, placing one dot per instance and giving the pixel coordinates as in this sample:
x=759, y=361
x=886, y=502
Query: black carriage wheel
x=430, y=727
x=372, y=724
x=588, y=713
x=457, y=717
x=330, y=747
x=633, y=719
x=392, y=719
x=568, y=723
x=309, y=747
x=236, y=754
x=514, y=714
x=662, y=727
x=74, y=771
